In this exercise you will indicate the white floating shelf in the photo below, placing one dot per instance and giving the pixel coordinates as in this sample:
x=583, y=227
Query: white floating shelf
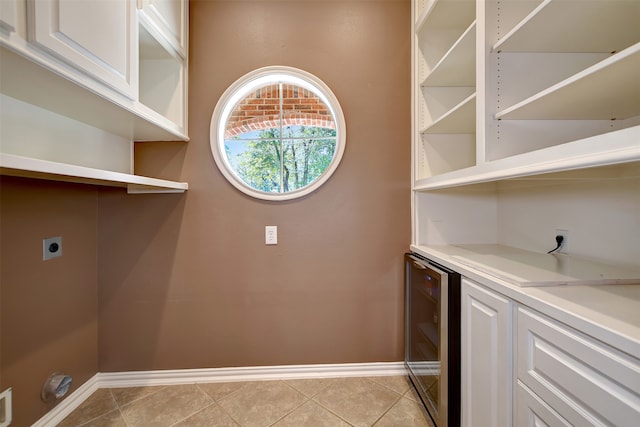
x=460, y=119
x=616, y=147
x=595, y=26
x=458, y=66
x=447, y=14
x=53, y=171
x=607, y=90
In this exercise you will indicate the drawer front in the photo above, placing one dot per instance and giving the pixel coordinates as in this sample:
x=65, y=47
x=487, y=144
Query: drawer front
x=584, y=380
x=531, y=411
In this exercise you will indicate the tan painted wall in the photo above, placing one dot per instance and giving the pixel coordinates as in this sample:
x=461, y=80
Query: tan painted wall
x=48, y=309
x=186, y=280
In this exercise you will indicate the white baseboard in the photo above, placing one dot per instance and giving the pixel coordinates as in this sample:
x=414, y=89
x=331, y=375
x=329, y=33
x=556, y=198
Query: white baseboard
x=64, y=408
x=255, y=373
x=212, y=375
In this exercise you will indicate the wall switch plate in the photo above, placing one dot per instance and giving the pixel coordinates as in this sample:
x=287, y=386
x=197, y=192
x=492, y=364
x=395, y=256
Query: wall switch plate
x=51, y=248
x=271, y=235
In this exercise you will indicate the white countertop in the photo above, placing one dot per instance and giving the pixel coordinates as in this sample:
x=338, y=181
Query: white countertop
x=609, y=312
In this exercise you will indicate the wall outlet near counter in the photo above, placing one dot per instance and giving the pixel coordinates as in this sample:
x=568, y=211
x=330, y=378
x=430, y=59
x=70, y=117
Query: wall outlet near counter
x=565, y=239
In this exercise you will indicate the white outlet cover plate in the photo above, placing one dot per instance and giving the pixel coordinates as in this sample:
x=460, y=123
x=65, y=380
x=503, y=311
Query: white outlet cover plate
x=51, y=248
x=271, y=235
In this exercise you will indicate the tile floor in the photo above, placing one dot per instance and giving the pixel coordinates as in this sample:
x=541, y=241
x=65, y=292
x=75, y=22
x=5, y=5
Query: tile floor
x=340, y=402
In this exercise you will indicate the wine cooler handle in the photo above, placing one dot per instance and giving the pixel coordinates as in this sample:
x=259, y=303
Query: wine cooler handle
x=419, y=266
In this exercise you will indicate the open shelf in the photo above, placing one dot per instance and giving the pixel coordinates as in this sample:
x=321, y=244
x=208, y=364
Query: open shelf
x=23, y=77
x=43, y=169
x=162, y=74
x=460, y=119
x=564, y=26
x=613, y=148
x=605, y=91
x=458, y=66
x=446, y=14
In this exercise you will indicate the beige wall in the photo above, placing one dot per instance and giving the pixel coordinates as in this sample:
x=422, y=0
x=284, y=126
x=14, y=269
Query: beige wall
x=186, y=280
x=48, y=309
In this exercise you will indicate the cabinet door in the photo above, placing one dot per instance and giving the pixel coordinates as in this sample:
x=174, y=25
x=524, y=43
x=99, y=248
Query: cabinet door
x=487, y=375
x=166, y=19
x=8, y=15
x=99, y=37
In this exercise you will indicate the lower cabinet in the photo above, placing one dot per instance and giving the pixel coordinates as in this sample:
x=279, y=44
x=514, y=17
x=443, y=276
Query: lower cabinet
x=584, y=380
x=486, y=357
x=531, y=411
x=521, y=367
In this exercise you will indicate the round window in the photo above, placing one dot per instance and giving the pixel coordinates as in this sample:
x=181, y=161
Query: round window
x=277, y=133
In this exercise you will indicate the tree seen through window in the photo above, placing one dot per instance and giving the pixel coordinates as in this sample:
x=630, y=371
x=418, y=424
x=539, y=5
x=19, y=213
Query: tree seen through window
x=271, y=163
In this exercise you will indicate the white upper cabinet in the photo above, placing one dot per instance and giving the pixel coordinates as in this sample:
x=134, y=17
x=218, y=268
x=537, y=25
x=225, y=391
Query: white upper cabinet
x=117, y=65
x=8, y=15
x=166, y=19
x=94, y=36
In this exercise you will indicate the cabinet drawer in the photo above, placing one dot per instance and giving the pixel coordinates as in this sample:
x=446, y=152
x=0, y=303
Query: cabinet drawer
x=531, y=411
x=584, y=380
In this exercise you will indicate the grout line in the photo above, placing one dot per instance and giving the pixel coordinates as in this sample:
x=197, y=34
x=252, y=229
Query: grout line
x=329, y=410
x=159, y=388
x=389, y=388
x=119, y=408
x=400, y=397
x=293, y=409
x=101, y=415
x=228, y=394
x=213, y=402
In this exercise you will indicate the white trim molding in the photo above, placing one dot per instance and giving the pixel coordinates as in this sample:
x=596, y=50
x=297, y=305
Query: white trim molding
x=69, y=404
x=214, y=375
x=252, y=373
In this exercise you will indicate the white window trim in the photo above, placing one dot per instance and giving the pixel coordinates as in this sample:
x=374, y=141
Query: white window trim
x=255, y=79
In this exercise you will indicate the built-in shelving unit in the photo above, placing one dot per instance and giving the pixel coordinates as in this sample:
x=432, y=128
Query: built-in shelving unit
x=517, y=90
x=576, y=68
x=54, y=171
x=445, y=98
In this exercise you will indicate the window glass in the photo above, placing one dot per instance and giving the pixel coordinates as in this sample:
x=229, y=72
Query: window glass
x=277, y=133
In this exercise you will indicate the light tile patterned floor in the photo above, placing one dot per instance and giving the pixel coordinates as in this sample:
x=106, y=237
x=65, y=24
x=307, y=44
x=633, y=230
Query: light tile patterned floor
x=339, y=402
